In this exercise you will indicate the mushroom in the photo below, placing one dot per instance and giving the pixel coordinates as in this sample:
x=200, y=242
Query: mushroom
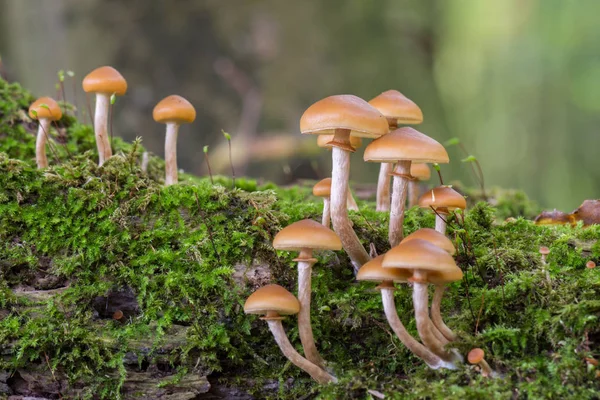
x=305, y=236
x=439, y=279
x=544, y=251
x=475, y=356
x=45, y=110
x=421, y=173
x=104, y=81
x=422, y=258
x=588, y=212
x=444, y=200
x=590, y=264
x=273, y=301
x=554, y=217
x=323, y=189
x=343, y=116
x=374, y=271
x=173, y=111
x=398, y=109
x=403, y=145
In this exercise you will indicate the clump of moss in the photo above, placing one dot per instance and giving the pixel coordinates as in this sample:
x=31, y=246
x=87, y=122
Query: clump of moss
x=85, y=232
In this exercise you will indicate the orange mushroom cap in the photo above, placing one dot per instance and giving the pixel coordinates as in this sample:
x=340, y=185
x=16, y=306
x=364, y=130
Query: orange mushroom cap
x=406, y=144
x=272, y=298
x=396, y=106
x=45, y=107
x=443, y=197
x=476, y=355
x=322, y=188
x=306, y=234
x=174, y=108
x=105, y=80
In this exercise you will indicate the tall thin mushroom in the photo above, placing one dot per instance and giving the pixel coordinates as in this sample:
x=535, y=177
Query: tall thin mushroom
x=443, y=200
x=305, y=236
x=398, y=109
x=323, y=189
x=274, y=302
x=404, y=145
x=173, y=111
x=104, y=81
x=45, y=110
x=343, y=116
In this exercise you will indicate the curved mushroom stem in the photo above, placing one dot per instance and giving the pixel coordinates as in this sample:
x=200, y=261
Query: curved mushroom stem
x=171, y=153
x=326, y=220
x=424, y=325
x=383, y=187
x=100, y=127
x=413, y=193
x=305, y=263
x=399, y=192
x=436, y=315
x=287, y=349
x=40, y=143
x=350, y=202
x=440, y=223
x=389, y=307
x=339, y=195
x=486, y=370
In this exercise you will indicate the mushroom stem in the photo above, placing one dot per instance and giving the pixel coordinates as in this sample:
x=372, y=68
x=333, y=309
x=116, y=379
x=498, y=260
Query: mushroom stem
x=436, y=315
x=287, y=349
x=304, y=292
x=171, y=153
x=339, y=194
x=399, y=192
x=424, y=325
x=40, y=143
x=383, y=187
x=486, y=370
x=389, y=307
x=350, y=202
x=100, y=127
x=413, y=193
x=440, y=223
x=326, y=220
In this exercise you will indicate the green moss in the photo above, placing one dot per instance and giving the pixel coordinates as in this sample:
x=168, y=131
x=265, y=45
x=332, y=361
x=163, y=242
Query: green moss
x=177, y=248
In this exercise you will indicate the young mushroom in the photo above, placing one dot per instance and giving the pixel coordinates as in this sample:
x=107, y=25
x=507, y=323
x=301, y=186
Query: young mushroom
x=443, y=200
x=544, y=251
x=398, y=109
x=274, y=302
x=173, y=111
x=45, y=110
x=104, y=81
x=403, y=146
x=323, y=189
x=421, y=173
x=305, y=236
x=476, y=357
x=374, y=271
x=343, y=116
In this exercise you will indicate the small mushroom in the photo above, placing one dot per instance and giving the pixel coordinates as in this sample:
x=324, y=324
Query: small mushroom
x=443, y=200
x=544, y=251
x=274, y=302
x=343, y=116
x=476, y=357
x=374, y=271
x=398, y=109
x=323, y=189
x=554, y=217
x=173, y=111
x=590, y=264
x=45, y=110
x=104, y=81
x=421, y=173
x=305, y=236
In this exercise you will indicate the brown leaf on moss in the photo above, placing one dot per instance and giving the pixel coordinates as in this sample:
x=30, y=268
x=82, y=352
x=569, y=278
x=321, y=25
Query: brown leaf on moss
x=588, y=212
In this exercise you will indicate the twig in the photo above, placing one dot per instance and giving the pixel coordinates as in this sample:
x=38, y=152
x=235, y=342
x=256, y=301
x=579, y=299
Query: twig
x=53, y=376
x=205, y=149
x=480, y=311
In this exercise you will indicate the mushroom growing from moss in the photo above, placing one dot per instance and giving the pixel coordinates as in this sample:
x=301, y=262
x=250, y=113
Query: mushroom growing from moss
x=323, y=189
x=443, y=200
x=403, y=146
x=173, y=111
x=104, y=81
x=305, y=236
x=343, y=116
x=374, y=271
x=45, y=110
x=398, y=109
x=476, y=356
x=274, y=302
x=420, y=173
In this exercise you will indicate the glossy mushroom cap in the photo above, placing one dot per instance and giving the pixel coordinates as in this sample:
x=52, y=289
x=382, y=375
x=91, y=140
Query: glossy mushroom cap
x=419, y=255
x=554, y=217
x=420, y=171
x=443, y=277
x=174, y=109
x=306, y=234
x=343, y=112
x=394, y=105
x=406, y=144
x=52, y=110
x=322, y=188
x=272, y=298
x=323, y=141
x=443, y=197
x=374, y=271
x=433, y=237
x=476, y=355
x=105, y=80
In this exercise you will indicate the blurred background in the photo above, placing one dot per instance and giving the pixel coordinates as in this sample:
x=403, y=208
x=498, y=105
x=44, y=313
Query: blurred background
x=517, y=81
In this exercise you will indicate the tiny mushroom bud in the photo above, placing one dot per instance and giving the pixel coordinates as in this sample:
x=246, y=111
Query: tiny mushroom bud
x=45, y=110
x=274, y=302
x=475, y=357
x=173, y=111
x=443, y=200
x=544, y=251
x=104, y=81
